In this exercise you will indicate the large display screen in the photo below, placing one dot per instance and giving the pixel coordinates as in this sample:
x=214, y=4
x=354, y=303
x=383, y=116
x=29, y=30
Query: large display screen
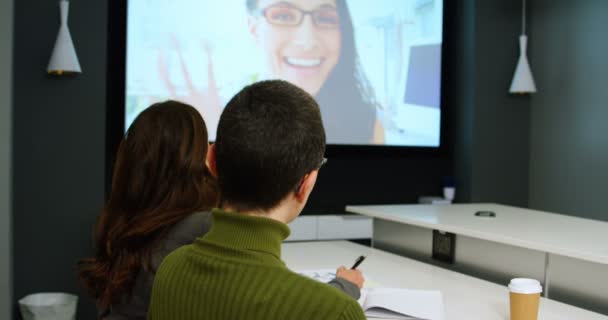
x=374, y=67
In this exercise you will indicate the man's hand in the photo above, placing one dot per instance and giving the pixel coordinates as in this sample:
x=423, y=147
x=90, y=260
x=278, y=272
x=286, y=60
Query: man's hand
x=355, y=276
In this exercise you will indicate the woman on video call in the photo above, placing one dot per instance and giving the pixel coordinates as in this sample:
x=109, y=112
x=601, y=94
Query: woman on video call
x=311, y=44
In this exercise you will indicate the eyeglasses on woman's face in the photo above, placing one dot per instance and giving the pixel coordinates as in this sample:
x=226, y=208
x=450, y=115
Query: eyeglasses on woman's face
x=288, y=16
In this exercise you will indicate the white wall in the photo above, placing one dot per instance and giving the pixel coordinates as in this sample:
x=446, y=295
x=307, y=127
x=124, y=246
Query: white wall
x=6, y=50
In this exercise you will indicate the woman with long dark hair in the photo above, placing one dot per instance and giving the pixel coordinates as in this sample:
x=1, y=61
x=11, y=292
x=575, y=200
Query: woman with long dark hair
x=311, y=44
x=161, y=190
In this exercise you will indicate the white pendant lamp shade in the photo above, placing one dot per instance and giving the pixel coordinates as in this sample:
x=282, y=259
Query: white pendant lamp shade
x=523, y=82
x=64, y=59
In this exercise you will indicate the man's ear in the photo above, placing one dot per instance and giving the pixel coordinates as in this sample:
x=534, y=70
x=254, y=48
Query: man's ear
x=308, y=183
x=211, y=160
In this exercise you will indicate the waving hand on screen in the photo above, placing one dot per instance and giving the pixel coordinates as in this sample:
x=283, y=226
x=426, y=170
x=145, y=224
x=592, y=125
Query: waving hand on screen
x=206, y=101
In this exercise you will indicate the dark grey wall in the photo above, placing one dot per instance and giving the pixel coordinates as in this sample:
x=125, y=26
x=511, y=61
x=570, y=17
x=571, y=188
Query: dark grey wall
x=58, y=146
x=492, y=126
x=569, y=121
x=6, y=62
x=462, y=91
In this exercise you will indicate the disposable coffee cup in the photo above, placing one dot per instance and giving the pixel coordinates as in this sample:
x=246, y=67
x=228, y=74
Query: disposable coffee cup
x=524, y=296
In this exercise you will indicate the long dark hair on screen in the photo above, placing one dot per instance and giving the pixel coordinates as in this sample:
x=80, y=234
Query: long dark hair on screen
x=160, y=177
x=347, y=101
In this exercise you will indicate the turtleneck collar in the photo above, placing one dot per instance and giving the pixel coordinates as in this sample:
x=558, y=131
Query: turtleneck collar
x=240, y=232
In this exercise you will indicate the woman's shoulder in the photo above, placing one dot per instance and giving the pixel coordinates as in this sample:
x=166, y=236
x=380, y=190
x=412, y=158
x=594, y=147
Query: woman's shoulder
x=191, y=227
x=183, y=233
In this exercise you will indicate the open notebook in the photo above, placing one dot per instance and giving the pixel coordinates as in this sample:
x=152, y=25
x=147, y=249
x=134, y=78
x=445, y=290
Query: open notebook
x=392, y=303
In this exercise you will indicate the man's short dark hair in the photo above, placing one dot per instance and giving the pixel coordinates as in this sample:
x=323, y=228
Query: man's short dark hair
x=270, y=135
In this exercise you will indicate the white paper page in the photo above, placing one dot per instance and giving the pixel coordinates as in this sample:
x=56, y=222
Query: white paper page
x=390, y=303
x=418, y=304
x=377, y=313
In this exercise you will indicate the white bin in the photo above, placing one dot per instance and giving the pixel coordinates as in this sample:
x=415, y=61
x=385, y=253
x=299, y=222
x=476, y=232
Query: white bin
x=49, y=306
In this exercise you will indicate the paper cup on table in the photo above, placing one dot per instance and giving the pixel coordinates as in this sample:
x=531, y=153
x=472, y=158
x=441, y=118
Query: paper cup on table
x=524, y=295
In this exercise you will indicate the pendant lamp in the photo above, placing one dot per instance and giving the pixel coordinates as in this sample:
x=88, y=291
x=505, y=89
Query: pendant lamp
x=523, y=82
x=64, y=59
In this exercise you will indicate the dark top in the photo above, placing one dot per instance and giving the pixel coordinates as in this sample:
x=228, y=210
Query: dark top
x=183, y=233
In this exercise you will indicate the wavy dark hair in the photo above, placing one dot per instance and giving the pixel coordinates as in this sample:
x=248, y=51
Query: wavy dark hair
x=346, y=91
x=160, y=177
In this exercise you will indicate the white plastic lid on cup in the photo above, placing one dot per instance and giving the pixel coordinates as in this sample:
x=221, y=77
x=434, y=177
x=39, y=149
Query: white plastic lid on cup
x=525, y=286
x=42, y=306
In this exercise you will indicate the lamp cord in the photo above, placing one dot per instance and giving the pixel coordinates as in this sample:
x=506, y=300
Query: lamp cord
x=523, y=17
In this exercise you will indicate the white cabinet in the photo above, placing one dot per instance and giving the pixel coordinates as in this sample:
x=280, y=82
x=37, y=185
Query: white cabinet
x=303, y=228
x=330, y=227
x=333, y=227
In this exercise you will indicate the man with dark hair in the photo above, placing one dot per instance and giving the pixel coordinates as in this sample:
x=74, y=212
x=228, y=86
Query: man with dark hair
x=270, y=136
x=269, y=147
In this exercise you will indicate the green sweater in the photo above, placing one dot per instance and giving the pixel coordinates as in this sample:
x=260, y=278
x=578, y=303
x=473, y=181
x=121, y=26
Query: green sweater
x=235, y=272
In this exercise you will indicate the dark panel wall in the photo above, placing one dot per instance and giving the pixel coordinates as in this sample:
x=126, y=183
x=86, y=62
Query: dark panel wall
x=374, y=179
x=569, y=122
x=462, y=89
x=492, y=126
x=499, y=158
x=58, y=146
x=6, y=106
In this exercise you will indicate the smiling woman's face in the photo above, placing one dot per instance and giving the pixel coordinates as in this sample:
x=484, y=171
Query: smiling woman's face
x=305, y=53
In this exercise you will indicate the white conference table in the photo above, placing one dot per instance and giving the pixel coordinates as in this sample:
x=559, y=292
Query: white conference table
x=465, y=297
x=564, y=235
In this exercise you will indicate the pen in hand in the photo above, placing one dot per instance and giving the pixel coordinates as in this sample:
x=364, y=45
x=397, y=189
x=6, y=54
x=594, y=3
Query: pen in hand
x=358, y=262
